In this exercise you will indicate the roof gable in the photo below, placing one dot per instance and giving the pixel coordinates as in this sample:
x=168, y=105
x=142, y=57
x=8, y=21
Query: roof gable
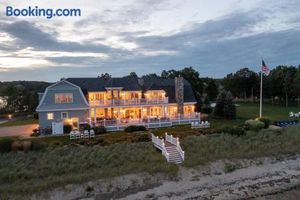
x=47, y=102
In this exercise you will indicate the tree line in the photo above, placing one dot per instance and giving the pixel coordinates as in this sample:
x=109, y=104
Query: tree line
x=21, y=96
x=281, y=86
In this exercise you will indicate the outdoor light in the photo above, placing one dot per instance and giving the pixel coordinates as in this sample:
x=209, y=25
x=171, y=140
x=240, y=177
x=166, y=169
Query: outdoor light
x=10, y=116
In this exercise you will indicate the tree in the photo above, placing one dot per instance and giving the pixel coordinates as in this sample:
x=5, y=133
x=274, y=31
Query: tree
x=132, y=75
x=244, y=83
x=229, y=107
x=192, y=76
x=211, y=89
x=153, y=75
x=105, y=76
x=220, y=103
x=296, y=87
x=288, y=83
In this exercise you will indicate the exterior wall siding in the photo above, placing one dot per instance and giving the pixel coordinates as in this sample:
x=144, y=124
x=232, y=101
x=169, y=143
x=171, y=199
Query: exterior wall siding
x=44, y=122
x=77, y=109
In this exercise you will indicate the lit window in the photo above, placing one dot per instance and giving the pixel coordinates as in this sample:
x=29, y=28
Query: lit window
x=64, y=98
x=50, y=116
x=64, y=115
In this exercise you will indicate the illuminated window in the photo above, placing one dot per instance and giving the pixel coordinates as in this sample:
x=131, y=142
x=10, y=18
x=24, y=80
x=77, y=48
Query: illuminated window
x=64, y=98
x=64, y=115
x=50, y=116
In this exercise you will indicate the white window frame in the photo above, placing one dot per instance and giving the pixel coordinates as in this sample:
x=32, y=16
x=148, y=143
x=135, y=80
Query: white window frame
x=50, y=114
x=56, y=94
x=61, y=115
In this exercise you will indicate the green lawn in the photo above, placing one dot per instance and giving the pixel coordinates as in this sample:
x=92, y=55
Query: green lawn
x=247, y=111
x=19, y=122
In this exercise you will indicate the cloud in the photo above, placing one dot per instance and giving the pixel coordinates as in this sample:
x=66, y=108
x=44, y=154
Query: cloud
x=124, y=38
x=28, y=35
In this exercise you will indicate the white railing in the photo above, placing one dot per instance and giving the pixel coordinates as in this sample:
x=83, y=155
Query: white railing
x=160, y=144
x=175, y=141
x=135, y=101
x=119, y=124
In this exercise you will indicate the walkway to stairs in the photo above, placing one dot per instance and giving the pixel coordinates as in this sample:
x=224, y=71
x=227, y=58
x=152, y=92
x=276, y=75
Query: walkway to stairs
x=170, y=148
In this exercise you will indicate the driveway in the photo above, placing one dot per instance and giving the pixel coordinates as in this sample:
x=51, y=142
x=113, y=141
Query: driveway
x=22, y=130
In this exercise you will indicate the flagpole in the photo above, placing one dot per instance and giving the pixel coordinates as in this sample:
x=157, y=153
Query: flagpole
x=261, y=93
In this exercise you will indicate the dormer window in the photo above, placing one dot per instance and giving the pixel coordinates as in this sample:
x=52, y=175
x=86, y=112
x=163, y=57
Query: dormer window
x=63, y=98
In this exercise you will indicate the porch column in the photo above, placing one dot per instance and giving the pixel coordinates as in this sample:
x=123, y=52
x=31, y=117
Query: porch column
x=119, y=118
x=142, y=113
x=95, y=116
x=163, y=111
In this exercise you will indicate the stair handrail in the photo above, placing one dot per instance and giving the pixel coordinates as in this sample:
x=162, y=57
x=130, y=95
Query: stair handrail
x=179, y=149
x=160, y=143
x=164, y=151
x=175, y=141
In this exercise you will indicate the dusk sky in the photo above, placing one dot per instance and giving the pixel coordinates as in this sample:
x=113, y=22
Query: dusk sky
x=216, y=37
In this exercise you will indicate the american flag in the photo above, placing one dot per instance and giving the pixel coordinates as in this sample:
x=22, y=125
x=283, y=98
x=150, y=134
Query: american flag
x=264, y=68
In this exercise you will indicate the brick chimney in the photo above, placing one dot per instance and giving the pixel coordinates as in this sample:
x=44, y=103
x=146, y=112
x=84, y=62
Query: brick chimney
x=179, y=94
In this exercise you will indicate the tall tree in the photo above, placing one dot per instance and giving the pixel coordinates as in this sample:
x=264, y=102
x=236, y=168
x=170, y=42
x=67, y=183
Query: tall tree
x=243, y=84
x=220, y=103
x=105, y=76
x=192, y=76
x=296, y=86
x=211, y=89
x=229, y=107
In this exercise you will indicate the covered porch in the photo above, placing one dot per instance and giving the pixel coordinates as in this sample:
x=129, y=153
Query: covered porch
x=140, y=114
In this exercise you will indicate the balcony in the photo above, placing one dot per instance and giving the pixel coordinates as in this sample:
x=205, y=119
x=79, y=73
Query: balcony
x=129, y=102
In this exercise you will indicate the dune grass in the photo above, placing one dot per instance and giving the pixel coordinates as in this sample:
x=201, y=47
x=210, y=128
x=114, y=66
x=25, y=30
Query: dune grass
x=203, y=149
x=22, y=174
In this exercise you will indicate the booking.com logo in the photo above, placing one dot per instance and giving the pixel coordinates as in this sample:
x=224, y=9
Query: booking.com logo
x=42, y=12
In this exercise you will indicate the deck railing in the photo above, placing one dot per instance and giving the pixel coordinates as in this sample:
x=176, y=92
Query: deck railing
x=121, y=124
x=135, y=101
x=175, y=141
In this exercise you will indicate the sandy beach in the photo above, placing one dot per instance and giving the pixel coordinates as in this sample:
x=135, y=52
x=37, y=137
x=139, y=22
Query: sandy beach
x=264, y=178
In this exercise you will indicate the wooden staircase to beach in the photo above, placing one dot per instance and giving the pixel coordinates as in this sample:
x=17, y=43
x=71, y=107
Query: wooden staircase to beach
x=170, y=148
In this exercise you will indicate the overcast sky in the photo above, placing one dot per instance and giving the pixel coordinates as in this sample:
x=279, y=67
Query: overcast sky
x=216, y=37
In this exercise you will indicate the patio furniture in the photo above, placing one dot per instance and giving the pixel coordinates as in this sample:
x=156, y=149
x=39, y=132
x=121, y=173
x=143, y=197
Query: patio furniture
x=296, y=114
x=92, y=133
x=77, y=134
x=86, y=134
x=72, y=135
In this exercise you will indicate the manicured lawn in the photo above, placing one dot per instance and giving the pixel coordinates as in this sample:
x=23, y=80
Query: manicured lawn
x=247, y=111
x=19, y=122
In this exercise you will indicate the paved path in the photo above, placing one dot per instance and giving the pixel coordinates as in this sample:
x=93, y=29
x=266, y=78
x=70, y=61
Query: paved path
x=2, y=121
x=22, y=130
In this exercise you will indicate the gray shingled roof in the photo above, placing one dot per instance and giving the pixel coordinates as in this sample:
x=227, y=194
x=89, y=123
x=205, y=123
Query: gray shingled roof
x=132, y=84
